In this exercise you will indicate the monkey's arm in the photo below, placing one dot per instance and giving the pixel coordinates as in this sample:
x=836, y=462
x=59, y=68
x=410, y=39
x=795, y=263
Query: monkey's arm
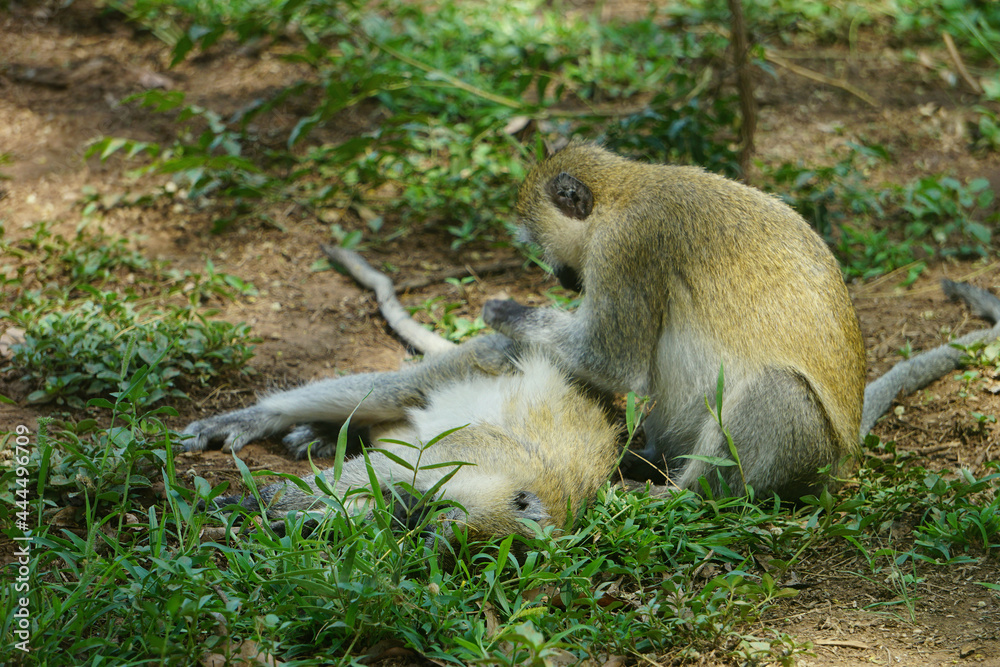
x=604, y=352
x=912, y=374
x=378, y=397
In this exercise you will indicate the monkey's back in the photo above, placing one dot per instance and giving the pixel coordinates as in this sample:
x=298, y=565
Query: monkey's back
x=733, y=256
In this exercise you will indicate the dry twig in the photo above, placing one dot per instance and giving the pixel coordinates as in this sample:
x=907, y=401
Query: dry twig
x=822, y=78
x=956, y=58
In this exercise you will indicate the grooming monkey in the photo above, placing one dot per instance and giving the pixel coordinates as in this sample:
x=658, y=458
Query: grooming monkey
x=681, y=271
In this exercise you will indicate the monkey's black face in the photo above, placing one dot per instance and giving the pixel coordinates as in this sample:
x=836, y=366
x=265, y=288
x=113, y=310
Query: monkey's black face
x=568, y=278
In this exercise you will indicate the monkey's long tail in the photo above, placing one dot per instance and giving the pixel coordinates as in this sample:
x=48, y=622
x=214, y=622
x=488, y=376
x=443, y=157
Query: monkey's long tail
x=912, y=374
x=395, y=315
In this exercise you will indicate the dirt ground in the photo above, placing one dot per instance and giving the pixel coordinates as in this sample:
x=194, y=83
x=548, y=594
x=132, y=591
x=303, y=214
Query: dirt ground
x=63, y=72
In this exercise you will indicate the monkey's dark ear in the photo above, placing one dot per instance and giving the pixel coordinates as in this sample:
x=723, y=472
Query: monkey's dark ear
x=571, y=196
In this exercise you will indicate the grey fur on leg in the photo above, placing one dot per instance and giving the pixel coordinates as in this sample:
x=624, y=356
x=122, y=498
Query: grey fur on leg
x=371, y=397
x=235, y=429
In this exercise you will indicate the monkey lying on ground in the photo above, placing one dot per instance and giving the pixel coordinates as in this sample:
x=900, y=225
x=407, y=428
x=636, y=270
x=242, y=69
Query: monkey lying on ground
x=537, y=445
x=681, y=271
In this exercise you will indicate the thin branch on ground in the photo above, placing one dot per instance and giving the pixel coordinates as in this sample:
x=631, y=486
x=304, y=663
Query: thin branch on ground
x=956, y=58
x=822, y=78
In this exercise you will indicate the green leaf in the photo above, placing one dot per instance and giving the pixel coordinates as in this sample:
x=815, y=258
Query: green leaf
x=111, y=145
x=979, y=232
x=181, y=49
x=719, y=386
x=39, y=396
x=714, y=460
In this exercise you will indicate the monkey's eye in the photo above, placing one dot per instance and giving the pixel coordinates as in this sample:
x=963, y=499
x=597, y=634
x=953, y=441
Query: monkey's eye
x=521, y=502
x=527, y=505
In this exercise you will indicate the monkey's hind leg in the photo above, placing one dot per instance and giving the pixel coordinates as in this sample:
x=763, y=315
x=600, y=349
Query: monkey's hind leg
x=781, y=434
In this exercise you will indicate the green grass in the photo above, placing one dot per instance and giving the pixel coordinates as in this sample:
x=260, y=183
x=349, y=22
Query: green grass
x=449, y=84
x=675, y=576
x=79, y=340
x=118, y=567
x=877, y=229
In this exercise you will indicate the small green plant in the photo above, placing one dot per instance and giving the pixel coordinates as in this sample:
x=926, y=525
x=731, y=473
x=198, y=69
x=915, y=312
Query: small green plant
x=878, y=230
x=868, y=253
x=78, y=350
x=982, y=420
x=951, y=512
x=78, y=340
x=944, y=209
x=955, y=522
x=967, y=378
x=209, y=165
x=91, y=257
x=719, y=461
x=562, y=298
x=5, y=159
x=446, y=322
x=50, y=265
x=469, y=195
x=688, y=134
x=826, y=196
x=976, y=25
x=887, y=573
x=451, y=86
x=987, y=129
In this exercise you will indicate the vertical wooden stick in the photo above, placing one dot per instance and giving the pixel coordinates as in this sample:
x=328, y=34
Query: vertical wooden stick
x=744, y=84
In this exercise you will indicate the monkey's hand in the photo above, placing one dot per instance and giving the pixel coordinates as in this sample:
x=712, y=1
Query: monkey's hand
x=234, y=429
x=315, y=439
x=504, y=315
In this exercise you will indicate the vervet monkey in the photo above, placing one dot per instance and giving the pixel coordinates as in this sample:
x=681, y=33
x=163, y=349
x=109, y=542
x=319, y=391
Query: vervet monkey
x=684, y=273
x=535, y=444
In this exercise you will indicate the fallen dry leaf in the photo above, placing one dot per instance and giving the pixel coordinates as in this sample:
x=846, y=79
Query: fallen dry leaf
x=12, y=336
